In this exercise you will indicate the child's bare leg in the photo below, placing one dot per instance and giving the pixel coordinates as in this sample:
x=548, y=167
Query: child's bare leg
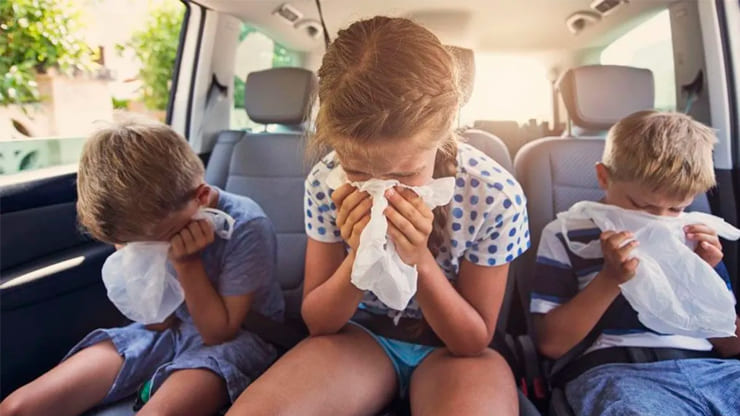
x=77, y=384
x=188, y=392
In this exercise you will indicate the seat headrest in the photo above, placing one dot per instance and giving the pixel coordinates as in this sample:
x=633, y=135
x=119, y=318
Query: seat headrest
x=279, y=95
x=597, y=96
x=465, y=62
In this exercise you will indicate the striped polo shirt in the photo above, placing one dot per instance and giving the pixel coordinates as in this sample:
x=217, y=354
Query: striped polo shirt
x=559, y=275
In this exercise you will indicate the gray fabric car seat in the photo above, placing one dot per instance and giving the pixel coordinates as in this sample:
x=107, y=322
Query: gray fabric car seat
x=270, y=167
x=490, y=145
x=597, y=96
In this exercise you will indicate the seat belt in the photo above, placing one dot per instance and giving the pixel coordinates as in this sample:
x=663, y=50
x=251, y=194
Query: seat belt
x=216, y=92
x=327, y=41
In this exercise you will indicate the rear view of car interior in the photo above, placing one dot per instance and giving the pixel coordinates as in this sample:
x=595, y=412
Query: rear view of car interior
x=542, y=80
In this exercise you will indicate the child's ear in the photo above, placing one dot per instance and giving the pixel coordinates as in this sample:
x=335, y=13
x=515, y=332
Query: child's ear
x=202, y=194
x=602, y=174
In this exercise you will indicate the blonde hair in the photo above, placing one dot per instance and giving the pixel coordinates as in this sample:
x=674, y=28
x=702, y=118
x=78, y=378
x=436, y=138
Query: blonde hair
x=132, y=175
x=668, y=152
x=388, y=79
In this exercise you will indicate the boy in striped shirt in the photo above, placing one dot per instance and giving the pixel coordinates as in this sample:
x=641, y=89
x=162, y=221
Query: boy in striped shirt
x=657, y=163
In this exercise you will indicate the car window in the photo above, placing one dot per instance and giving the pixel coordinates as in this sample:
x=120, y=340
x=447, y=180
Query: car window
x=256, y=52
x=648, y=46
x=509, y=87
x=67, y=66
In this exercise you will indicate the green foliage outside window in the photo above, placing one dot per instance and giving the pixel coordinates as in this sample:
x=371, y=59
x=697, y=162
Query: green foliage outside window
x=281, y=57
x=37, y=35
x=155, y=47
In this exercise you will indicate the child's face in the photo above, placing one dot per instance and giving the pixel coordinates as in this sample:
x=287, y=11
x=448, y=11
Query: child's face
x=176, y=221
x=636, y=196
x=403, y=160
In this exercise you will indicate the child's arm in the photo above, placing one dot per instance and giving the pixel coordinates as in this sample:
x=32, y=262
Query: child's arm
x=464, y=318
x=329, y=297
x=217, y=318
x=328, y=303
x=568, y=324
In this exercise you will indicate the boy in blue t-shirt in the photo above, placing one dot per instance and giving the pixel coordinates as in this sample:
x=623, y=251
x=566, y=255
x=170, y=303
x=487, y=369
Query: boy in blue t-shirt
x=140, y=181
x=657, y=163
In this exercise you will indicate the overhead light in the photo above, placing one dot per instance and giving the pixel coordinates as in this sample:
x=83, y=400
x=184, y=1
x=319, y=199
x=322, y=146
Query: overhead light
x=311, y=27
x=605, y=7
x=288, y=13
x=580, y=20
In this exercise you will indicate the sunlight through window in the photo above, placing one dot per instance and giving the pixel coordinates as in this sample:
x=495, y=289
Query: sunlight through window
x=509, y=87
x=648, y=46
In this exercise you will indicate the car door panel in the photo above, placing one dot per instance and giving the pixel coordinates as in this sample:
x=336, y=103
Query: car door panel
x=51, y=293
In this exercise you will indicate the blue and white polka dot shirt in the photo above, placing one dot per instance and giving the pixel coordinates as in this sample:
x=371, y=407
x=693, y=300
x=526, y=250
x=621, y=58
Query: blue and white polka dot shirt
x=487, y=225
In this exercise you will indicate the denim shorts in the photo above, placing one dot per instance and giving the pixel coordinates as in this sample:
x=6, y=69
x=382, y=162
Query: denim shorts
x=673, y=387
x=404, y=356
x=153, y=356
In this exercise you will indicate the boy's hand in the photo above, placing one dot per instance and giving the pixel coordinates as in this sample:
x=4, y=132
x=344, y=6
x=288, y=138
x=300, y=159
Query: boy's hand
x=618, y=265
x=708, y=246
x=190, y=241
x=353, y=213
x=410, y=222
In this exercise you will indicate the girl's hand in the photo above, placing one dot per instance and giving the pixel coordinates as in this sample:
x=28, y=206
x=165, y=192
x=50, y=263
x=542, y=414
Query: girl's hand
x=410, y=222
x=708, y=246
x=353, y=213
x=190, y=241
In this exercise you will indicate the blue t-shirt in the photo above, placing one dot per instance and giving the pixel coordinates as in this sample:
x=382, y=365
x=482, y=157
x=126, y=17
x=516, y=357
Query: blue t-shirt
x=487, y=223
x=246, y=262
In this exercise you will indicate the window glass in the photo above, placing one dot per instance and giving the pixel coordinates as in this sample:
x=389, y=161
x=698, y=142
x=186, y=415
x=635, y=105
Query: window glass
x=508, y=87
x=256, y=52
x=68, y=65
x=648, y=46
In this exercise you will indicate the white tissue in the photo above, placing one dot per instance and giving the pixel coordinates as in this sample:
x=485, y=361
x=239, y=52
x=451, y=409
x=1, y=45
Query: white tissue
x=673, y=291
x=378, y=267
x=139, y=281
x=222, y=223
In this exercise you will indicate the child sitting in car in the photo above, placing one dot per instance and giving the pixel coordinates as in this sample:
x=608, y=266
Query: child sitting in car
x=140, y=181
x=656, y=163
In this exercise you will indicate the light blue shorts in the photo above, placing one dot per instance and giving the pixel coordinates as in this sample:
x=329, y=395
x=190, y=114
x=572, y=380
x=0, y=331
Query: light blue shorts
x=404, y=356
x=673, y=387
x=152, y=356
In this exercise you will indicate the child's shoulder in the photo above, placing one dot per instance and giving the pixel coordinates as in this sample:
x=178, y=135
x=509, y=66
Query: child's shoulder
x=321, y=169
x=477, y=173
x=243, y=209
x=577, y=230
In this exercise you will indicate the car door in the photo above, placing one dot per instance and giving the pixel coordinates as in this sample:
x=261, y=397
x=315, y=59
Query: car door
x=51, y=292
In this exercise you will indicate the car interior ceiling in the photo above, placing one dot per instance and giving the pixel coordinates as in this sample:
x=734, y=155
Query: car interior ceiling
x=482, y=26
